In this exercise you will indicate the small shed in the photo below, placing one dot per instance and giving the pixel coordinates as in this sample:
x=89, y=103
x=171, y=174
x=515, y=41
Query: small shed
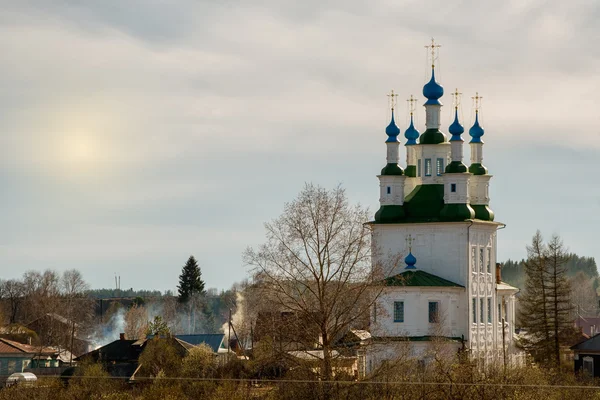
x=586, y=357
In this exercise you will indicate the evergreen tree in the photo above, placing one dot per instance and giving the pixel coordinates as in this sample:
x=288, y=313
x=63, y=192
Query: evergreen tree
x=190, y=281
x=545, y=306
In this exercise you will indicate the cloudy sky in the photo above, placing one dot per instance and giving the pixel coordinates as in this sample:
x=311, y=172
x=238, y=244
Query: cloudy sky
x=135, y=133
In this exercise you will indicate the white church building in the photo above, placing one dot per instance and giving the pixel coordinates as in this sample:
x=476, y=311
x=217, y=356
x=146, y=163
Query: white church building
x=434, y=216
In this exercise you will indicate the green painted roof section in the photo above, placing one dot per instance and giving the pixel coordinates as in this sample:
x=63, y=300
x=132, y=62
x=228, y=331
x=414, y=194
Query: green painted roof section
x=392, y=169
x=483, y=212
x=390, y=213
x=418, y=278
x=457, y=212
x=424, y=203
x=455, y=167
x=426, y=338
x=478, y=169
x=432, y=136
x=411, y=170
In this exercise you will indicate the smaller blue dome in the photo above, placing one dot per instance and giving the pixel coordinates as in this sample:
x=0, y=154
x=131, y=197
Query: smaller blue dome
x=456, y=129
x=410, y=261
x=411, y=134
x=433, y=90
x=392, y=130
x=476, y=131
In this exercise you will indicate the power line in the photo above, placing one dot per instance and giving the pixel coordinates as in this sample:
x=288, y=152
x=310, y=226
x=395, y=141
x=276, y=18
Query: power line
x=364, y=382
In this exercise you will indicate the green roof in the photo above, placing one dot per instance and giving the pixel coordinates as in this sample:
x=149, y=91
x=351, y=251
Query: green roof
x=425, y=338
x=416, y=277
x=432, y=136
x=392, y=169
x=426, y=204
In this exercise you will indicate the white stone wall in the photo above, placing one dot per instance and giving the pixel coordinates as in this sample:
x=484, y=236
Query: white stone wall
x=432, y=152
x=394, y=184
x=460, y=252
x=416, y=312
x=393, y=152
x=461, y=196
x=479, y=188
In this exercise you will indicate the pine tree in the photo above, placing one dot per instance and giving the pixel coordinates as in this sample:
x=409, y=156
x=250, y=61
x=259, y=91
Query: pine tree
x=545, y=305
x=190, y=281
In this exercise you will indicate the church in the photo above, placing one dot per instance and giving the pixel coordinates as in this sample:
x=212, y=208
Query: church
x=434, y=242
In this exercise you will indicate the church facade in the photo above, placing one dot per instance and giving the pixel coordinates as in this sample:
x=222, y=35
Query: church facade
x=434, y=240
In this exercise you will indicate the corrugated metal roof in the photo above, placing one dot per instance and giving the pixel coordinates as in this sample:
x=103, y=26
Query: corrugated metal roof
x=214, y=340
x=591, y=344
x=8, y=349
x=10, y=346
x=419, y=278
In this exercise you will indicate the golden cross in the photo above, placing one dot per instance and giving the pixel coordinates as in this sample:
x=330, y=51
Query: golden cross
x=433, y=48
x=477, y=101
x=456, y=96
x=392, y=97
x=409, y=242
x=411, y=104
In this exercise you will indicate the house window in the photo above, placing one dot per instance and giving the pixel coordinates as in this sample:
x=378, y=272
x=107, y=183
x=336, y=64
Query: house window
x=481, y=310
x=389, y=190
x=453, y=187
x=474, y=259
x=499, y=312
x=428, y=167
x=474, y=310
x=12, y=366
x=481, y=260
x=419, y=167
x=489, y=310
x=439, y=166
x=433, y=312
x=489, y=260
x=588, y=365
x=398, y=311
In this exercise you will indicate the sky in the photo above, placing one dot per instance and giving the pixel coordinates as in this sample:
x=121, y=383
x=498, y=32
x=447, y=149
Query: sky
x=136, y=133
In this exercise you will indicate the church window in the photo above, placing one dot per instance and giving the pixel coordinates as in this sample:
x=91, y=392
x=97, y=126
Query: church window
x=474, y=259
x=481, y=311
x=489, y=310
x=439, y=166
x=453, y=187
x=433, y=312
x=428, y=167
x=389, y=190
x=481, y=260
x=489, y=260
x=474, y=310
x=398, y=311
x=419, y=167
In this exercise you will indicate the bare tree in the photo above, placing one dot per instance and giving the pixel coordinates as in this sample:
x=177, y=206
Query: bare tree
x=136, y=322
x=13, y=291
x=78, y=307
x=316, y=265
x=583, y=295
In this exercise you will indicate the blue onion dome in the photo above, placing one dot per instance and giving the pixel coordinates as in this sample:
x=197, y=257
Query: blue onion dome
x=410, y=261
x=476, y=131
x=411, y=134
x=392, y=130
x=456, y=129
x=433, y=90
